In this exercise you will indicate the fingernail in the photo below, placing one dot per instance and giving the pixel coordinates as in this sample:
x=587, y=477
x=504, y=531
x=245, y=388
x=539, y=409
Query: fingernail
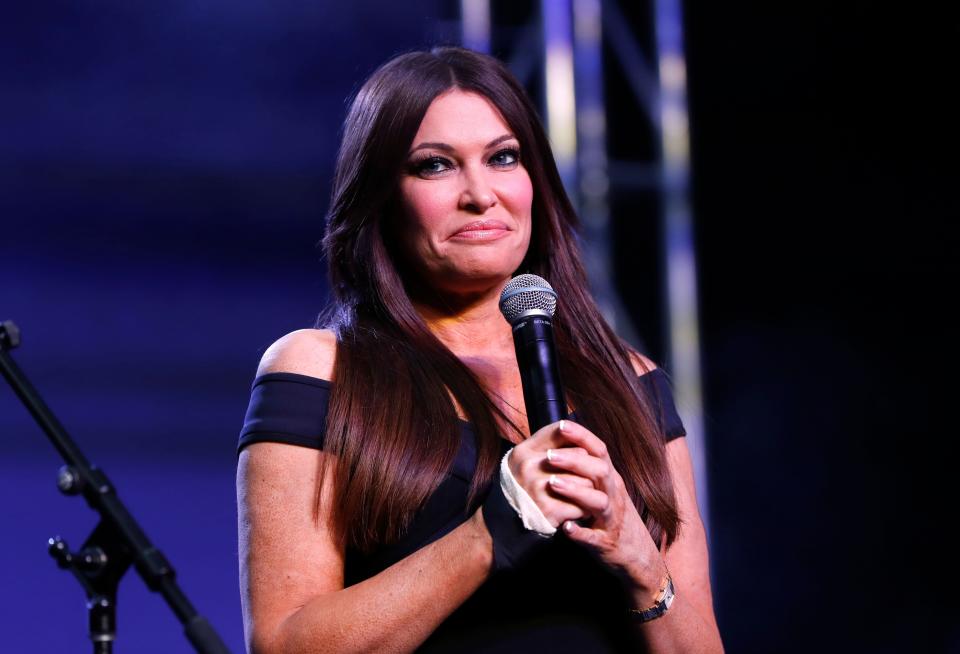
x=563, y=424
x=549, y=455
x=556, y=481
x=569, y=526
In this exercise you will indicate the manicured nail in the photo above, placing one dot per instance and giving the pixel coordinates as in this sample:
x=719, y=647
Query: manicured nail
x=563, y=424
x=569, y=526
x=556, y=481
x=550, y=455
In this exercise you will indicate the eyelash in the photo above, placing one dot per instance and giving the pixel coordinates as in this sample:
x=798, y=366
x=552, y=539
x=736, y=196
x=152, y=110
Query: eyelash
x=421, y=166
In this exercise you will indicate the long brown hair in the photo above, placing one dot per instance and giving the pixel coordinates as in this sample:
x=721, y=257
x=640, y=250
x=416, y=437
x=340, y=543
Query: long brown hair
x=391, y=424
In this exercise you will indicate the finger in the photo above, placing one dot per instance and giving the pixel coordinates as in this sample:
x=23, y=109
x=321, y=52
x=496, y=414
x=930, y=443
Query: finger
x=578, y=435
x=590, y=499
x=552, y=435
x=571, y=480
x=579, y=462
x=560, y=509
x=582, y=534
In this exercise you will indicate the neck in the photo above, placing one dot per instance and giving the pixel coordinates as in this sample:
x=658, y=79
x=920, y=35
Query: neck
x=470, y=325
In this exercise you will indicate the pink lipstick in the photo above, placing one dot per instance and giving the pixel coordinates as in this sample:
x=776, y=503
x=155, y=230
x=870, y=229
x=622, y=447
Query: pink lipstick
x=481, y=230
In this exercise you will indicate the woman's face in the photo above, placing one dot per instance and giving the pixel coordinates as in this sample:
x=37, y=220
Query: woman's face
x=466, y=198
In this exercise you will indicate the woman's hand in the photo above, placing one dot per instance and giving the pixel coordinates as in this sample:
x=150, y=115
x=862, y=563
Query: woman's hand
x=567, y=461
x=531, y=470
x=528, y=464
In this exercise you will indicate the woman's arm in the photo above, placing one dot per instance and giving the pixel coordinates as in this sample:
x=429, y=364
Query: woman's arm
x=689, y=625
x=292, y=571
x=692, y=627
x=291, y=566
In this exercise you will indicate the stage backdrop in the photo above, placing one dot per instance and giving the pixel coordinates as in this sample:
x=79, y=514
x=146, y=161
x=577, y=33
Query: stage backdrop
x=165, y=171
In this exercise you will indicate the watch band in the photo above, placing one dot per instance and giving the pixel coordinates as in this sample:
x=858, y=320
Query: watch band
x=663, y=602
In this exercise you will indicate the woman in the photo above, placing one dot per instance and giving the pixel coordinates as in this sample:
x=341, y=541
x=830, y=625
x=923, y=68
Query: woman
x=372, y=517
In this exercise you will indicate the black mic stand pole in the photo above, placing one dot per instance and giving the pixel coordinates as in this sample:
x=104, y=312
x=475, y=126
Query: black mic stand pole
x=116, y=542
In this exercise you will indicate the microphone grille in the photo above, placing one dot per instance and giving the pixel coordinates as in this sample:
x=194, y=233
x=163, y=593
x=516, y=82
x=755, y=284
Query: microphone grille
x=525, y=294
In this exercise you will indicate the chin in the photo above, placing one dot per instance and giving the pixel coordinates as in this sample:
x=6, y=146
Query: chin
x=473, y=283
x=476, y=273
x=474, y=280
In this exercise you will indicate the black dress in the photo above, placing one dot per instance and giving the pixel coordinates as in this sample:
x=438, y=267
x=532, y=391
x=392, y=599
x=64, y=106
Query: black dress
x=561, y=600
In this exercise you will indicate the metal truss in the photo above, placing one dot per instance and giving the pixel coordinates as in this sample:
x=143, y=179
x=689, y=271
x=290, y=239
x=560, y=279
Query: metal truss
x=565, y=41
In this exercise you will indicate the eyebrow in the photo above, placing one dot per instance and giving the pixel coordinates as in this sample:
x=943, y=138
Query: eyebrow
x=448, y=148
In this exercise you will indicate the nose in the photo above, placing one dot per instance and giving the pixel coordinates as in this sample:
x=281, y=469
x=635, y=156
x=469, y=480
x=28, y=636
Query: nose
x=477, y=195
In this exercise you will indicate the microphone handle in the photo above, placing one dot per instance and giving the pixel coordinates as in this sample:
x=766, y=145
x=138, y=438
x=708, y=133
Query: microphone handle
x=539, y=373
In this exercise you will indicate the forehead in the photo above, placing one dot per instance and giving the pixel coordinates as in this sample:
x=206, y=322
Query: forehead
x=458, y=116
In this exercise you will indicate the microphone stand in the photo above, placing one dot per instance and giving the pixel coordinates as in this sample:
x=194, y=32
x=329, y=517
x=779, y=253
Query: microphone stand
x=116, y=542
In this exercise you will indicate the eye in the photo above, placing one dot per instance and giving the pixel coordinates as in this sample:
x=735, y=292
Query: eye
x=430, y=166
x=506, y=158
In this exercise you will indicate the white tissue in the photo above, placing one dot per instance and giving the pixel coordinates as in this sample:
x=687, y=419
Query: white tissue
x=531, y=515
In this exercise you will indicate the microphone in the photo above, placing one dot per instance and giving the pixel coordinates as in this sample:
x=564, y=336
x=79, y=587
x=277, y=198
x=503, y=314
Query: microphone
x=528, y=303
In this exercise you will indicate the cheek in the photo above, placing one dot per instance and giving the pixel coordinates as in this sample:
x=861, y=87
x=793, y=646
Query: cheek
x=424, y=209
x=518, y=193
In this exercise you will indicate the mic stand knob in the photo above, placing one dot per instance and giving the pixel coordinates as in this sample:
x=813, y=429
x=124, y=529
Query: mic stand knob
x=69, y=481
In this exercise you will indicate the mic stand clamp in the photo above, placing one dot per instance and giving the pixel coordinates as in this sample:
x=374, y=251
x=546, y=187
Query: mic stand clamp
x=98, y=566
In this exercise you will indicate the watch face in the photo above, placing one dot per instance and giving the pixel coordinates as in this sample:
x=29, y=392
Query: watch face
x=668, y=596
x=667, y=601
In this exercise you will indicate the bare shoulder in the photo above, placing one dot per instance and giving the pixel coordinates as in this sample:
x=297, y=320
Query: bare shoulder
x=304, y=351
x=641, y=364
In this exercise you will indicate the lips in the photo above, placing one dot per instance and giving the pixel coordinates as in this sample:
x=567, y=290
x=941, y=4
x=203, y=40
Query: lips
x=481, y=229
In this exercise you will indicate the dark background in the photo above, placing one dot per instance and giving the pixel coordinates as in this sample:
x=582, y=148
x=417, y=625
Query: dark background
x=163, y=176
